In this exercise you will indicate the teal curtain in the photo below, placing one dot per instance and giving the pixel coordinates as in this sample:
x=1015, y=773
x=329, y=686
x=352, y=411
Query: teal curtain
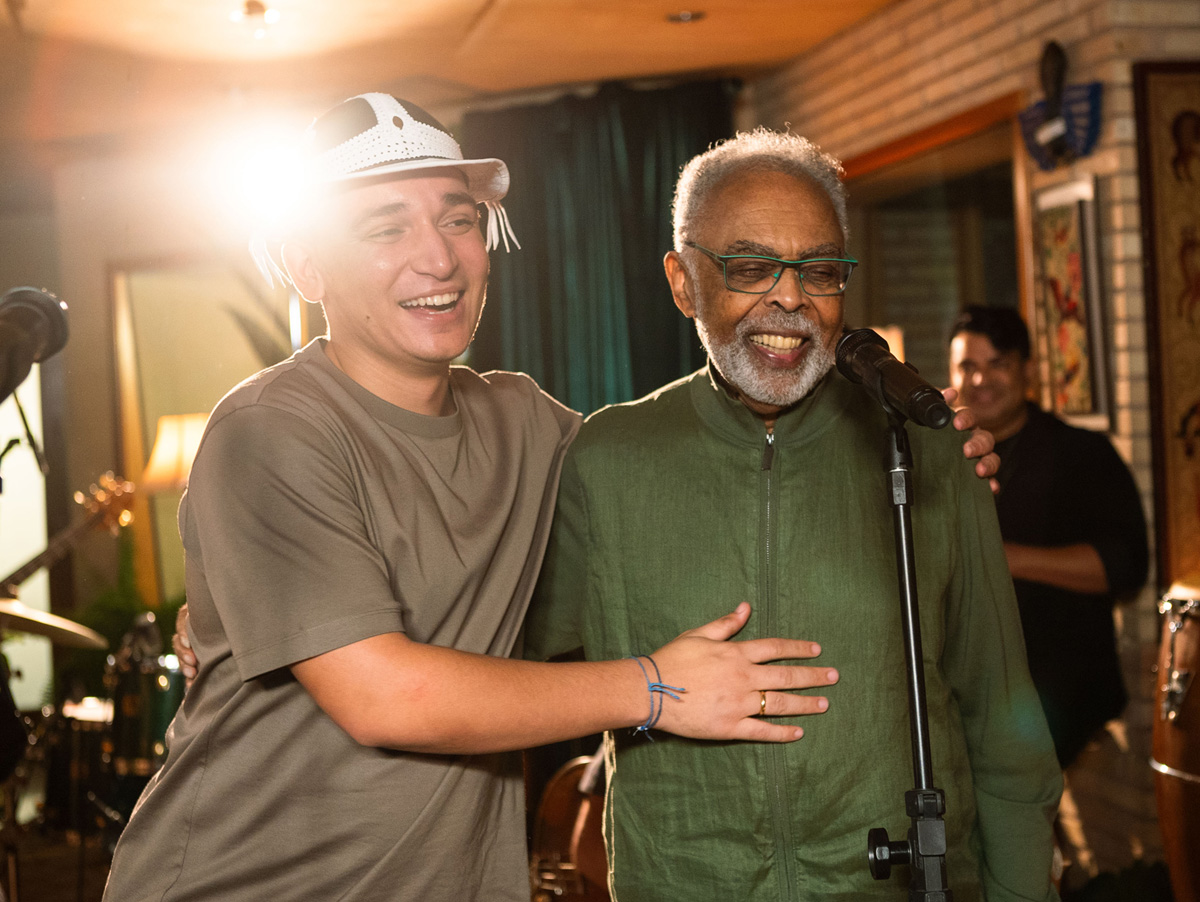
x=584, y=306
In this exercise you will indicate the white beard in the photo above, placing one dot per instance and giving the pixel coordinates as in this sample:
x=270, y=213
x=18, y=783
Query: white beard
x=739, y=365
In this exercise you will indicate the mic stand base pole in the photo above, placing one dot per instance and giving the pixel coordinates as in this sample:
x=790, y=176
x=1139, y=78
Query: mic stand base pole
x=924, y=851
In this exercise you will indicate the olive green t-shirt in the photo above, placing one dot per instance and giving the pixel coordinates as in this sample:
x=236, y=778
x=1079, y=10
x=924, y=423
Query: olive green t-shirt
x=318, y=515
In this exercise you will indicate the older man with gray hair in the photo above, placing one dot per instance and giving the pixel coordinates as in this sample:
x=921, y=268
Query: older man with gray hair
x=759, y=478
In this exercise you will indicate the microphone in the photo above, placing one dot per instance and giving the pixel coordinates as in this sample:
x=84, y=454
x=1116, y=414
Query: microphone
x=33, y=326
x=863, y=358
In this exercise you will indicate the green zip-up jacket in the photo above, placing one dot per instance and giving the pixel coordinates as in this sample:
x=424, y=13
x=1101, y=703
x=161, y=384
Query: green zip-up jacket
x=675, y=508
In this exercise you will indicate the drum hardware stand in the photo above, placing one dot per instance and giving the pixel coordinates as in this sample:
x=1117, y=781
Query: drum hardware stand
x=10, y=830
x=924, y=851
x=77, y=811
x=81, y=770
x=107, y=819
x=1174, y=757
x=9, y=833
x=1178, y=681
x=84, y=821
x=112, y=817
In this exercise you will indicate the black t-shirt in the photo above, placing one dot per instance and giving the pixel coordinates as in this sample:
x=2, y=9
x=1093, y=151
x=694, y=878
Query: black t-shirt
x=1061, y=485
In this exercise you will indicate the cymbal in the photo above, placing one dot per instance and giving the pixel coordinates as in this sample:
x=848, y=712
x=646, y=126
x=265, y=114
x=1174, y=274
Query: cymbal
x=59, y=630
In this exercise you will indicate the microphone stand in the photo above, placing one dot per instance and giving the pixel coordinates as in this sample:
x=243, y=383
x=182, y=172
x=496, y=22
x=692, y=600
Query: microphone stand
x=925, y=848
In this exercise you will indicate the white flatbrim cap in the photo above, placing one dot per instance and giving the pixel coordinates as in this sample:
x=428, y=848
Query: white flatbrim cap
x=378, y=134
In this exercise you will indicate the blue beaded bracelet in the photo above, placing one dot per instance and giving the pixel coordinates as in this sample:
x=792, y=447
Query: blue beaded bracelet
x=655, y=686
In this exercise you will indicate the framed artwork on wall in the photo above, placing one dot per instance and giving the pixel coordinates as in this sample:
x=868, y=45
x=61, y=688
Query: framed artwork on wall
x=1167, y=106
x=1068, y=305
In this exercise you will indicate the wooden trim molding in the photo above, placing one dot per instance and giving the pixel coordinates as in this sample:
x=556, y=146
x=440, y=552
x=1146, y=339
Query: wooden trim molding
x=963, y=125
x=1023, y=228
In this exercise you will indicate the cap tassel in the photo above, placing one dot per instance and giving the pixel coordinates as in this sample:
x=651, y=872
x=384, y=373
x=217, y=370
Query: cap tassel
x=265, y=262
x=499, y=227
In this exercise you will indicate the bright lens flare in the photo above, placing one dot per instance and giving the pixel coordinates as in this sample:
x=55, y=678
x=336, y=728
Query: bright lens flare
x=255, y=179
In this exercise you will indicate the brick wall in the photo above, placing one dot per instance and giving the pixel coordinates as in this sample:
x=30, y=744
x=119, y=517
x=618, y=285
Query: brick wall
x=921, y=62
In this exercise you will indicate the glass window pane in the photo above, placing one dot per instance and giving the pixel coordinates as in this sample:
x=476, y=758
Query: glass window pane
x=937, y=232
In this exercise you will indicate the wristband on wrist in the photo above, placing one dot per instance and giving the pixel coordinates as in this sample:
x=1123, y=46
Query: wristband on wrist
x=657, y=690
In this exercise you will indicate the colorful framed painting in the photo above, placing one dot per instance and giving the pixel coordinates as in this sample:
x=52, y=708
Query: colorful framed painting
x=1069, y=310
x=1167, y=106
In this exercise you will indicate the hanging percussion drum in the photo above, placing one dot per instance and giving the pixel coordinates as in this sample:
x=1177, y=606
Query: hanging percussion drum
x=1176, y=736
x=147, y=689
x=145, y=700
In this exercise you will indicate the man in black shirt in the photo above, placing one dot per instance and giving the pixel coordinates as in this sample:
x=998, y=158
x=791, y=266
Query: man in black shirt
x=1073, y=527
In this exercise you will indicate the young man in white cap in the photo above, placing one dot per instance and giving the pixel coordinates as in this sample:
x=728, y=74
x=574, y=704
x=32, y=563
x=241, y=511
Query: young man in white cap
x=363, y=527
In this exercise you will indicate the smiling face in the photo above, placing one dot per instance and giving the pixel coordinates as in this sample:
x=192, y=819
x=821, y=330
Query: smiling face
x=775, y=347
x=400, y=267
x=992, y=383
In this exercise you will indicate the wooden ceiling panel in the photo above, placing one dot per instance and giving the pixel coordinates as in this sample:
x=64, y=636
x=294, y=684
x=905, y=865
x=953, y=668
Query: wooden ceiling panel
x=203, y=30
x=520, y=43
x=524, y=41
x=85, y=70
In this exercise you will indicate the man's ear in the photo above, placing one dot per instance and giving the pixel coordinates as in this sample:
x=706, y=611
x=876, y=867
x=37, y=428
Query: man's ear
x=681, y=284
x=305, y=274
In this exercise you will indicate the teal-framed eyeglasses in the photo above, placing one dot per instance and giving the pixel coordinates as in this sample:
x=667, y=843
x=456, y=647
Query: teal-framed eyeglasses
x=820, y=277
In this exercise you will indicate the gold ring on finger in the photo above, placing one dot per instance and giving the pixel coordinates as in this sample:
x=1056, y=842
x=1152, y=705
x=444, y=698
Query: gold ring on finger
x=762, y=702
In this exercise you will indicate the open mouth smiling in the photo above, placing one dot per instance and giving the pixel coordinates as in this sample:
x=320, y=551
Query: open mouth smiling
x=774, y=342
x=434, y=303
x=779, y=349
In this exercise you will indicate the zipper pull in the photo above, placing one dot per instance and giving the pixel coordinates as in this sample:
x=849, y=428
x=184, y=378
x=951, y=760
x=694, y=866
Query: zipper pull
x=768, y=451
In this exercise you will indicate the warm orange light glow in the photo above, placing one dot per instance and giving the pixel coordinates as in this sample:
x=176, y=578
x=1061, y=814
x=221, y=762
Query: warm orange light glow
x=174, y=448
x=894, y=336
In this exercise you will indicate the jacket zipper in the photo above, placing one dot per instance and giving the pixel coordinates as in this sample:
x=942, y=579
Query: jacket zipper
x=777, y=770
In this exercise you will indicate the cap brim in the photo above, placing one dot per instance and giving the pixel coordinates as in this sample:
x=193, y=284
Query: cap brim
x=487, y=180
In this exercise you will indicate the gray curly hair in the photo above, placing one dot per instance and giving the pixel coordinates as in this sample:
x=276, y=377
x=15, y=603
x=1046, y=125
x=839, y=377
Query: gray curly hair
x=761, y=150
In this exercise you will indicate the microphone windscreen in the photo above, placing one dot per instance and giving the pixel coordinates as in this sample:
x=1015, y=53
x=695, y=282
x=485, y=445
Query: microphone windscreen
x=41, y=314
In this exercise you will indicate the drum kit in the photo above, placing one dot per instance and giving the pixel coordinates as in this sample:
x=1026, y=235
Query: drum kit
x=90, y=759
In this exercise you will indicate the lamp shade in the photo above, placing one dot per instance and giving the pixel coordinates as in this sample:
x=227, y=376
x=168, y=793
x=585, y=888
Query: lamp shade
x=174, y=448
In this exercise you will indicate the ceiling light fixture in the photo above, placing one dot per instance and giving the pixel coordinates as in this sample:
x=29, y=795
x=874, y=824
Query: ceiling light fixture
x=686, y=16
x=256, y=15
